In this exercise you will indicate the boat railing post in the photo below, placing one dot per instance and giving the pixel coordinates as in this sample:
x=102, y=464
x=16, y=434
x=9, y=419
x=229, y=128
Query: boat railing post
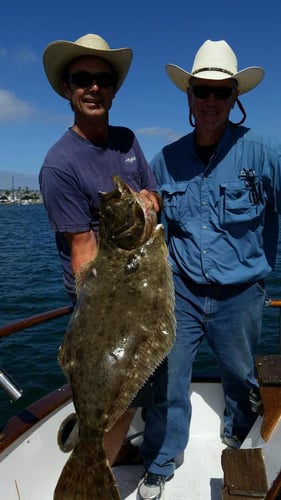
x=9, y=385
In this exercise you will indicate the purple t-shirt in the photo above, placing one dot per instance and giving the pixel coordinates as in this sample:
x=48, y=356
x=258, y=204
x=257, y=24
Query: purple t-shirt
x=73, y=173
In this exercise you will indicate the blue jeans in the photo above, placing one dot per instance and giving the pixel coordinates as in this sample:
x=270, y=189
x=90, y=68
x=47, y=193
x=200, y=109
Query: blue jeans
x=231, y=319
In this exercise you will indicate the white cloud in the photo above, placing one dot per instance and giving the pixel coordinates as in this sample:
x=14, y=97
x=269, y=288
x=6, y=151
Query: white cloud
x=13, y=109
x=167, y=133
x=25, y=55
x=153, y=131
x=21, y=54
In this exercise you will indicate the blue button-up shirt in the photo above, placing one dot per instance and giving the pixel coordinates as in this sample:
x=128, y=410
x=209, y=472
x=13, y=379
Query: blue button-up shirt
x=221, y=220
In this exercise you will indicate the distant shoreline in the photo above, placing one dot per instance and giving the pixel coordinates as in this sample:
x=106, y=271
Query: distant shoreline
x=18, y=203
x=20, y=197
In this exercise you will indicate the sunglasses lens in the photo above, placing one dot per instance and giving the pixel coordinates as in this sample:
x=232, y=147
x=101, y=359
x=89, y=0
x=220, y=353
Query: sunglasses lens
x=105, y=80
x=84, y=79
x=222, y=93
x=203, y=91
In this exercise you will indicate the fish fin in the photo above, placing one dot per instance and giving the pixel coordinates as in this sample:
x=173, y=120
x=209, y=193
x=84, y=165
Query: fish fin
x=151, y=353
x=93, y=480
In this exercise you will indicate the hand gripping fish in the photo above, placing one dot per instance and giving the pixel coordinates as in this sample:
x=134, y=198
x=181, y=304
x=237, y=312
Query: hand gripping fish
x=121, y=329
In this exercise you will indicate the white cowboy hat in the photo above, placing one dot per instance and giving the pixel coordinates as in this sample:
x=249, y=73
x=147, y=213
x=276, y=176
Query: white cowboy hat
x=216, y=61
x=59, y=54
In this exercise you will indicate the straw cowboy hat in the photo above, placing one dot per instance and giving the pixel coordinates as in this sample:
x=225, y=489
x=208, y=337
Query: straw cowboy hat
x=59, y=54
x=216, y=61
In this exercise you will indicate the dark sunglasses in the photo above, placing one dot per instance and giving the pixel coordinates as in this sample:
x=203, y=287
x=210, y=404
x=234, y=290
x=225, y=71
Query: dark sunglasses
x=220, y=93
x=84, y=79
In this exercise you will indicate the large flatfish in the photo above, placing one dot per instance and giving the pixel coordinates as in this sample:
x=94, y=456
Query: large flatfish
x=121, y=329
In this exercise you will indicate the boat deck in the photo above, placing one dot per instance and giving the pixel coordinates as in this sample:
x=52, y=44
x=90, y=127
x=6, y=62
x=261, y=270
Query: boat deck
x=200, y=475
x=196, y=479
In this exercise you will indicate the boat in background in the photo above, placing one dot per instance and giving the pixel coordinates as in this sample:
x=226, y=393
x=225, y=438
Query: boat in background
x=35, y=444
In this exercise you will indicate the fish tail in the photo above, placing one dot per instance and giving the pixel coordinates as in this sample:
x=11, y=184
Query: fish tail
x=92, y=481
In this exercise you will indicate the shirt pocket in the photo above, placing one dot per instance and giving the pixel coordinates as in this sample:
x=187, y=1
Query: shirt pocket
x=174, y=205
x=240, y=203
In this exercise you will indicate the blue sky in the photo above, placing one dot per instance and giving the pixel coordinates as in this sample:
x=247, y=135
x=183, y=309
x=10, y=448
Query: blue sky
x=33, y=116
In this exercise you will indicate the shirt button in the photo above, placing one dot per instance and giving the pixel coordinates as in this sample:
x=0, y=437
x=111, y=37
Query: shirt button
x=205, y=251
x=204, y=227
x=204, y=203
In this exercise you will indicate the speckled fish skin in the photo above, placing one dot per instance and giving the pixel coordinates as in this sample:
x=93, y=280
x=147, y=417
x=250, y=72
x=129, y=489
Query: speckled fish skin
x=121, y=329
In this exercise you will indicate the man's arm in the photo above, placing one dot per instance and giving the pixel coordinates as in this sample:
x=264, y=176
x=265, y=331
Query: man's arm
x=84, y=248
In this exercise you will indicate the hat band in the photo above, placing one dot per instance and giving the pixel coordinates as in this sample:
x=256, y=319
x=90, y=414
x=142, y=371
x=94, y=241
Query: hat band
x=213, y=69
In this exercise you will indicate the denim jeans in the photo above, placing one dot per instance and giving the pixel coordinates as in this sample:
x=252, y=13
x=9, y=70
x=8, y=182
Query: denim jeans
x=231, y=319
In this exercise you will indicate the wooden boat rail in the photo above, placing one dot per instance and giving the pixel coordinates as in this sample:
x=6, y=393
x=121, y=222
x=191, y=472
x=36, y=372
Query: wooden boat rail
x=22, y=324
x=17, y=425
x=36, y=319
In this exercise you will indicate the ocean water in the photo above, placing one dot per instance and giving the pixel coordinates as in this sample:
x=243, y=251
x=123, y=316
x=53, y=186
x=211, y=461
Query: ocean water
x=31, y=283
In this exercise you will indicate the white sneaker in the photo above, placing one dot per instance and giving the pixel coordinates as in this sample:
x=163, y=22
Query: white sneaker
x=232, y=441
x=151, y=486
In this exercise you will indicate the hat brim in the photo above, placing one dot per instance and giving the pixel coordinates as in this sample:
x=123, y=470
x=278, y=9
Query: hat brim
x=58, y=55
x=247, y=78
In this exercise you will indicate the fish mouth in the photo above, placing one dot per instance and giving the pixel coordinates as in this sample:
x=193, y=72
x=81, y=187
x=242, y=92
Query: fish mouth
x=123, y=217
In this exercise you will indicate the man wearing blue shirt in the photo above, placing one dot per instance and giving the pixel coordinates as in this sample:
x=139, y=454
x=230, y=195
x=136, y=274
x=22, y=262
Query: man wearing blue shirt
x=221, y=199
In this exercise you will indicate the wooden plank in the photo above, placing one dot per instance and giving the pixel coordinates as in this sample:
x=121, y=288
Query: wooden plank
x=269, y=377
x=226, y=496
x=271, y=398
x=269, y=369
x=244, y=473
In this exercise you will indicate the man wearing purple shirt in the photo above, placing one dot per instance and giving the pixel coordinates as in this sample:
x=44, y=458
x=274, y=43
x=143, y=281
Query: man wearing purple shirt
x=88, y=73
